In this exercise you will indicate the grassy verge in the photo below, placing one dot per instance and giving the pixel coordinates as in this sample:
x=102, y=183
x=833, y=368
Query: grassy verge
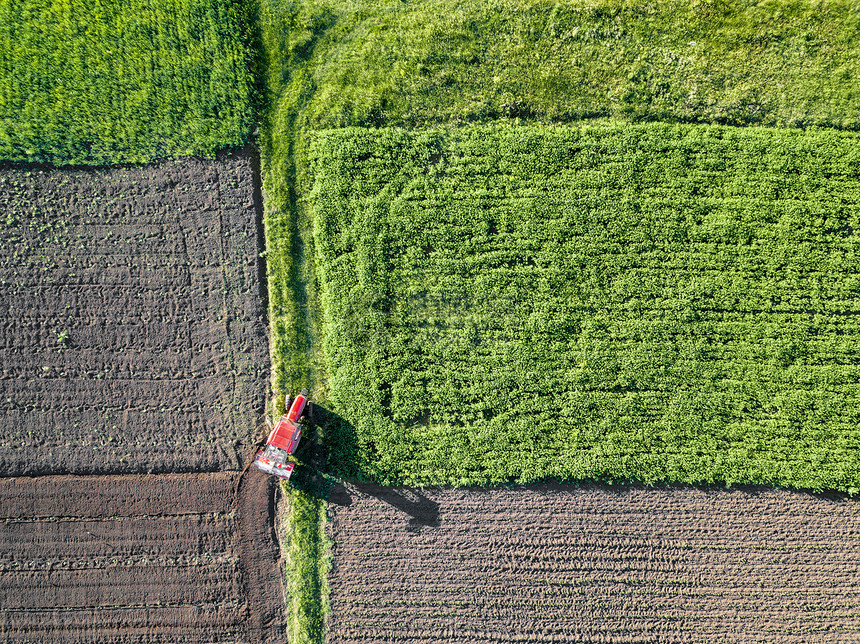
x=114, y=82
x=782, y=62
x=307, y=567
x=608, y=301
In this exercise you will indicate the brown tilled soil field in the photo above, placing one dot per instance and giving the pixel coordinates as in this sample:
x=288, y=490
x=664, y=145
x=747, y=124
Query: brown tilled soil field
x=134, y=342
x=593, y=564
x=133, y=330
x=169, y=558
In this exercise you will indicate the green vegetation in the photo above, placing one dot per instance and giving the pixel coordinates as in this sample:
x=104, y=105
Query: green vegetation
x=339, y=63
x=779, y=62
x=610, y=301
x=106, y=81
x=307, y=566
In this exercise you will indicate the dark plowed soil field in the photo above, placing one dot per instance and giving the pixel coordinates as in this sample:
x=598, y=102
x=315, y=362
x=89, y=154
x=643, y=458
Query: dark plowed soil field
x=594, y=564
x=147, y=559
x=132, y=330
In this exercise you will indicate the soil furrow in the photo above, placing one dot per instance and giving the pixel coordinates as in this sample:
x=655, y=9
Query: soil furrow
x=162, y=536
x=92, y=588
x=115, y=496
x=144, y=625
x=593, y=563
x=143, y=558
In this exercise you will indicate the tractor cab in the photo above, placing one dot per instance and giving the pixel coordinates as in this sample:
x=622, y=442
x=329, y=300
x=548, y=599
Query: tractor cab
x=283, y=441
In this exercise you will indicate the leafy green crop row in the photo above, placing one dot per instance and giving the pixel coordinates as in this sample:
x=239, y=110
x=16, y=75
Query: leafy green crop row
x=609, y=301
x=104, y=81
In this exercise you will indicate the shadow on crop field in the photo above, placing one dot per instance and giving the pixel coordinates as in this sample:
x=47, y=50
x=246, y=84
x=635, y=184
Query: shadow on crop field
x=422, y=512
x=337, y=438
x=327, y=438
x=330, y=438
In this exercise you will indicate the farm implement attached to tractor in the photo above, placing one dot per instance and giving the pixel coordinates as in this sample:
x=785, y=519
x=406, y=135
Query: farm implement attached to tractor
x=283, y=440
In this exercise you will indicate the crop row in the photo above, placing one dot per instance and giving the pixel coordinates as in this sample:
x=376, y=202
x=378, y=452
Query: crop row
x=611, y=301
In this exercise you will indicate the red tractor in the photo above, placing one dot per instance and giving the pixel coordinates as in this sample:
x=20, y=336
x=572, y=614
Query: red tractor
x=283, y=440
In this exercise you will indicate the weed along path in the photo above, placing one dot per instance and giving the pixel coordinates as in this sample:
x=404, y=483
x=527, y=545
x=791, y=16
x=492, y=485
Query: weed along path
x=596, y=563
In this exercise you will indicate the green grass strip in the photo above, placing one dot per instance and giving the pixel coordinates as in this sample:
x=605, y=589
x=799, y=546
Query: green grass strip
x=110, y=81
x=609, y=301
x=782, y=62
x=307, y=567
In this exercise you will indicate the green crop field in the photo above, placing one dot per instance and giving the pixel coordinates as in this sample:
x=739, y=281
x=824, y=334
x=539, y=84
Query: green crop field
x=339, y=63
x=609, y=301
x=108, y=82
x=454, y=399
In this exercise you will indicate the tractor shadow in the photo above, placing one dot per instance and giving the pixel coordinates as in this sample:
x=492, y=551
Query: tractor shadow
x=421, y=511
x=328, y=439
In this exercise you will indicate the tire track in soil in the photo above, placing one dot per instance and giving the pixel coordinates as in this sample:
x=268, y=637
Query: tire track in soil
x=150, y=559
x=593, y=563
x=263, y=573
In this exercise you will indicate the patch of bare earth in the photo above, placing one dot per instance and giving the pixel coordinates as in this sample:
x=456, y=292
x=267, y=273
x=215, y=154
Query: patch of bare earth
x=172, y=558
x=133, y=340
x=593, y=564
x=132, y=328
